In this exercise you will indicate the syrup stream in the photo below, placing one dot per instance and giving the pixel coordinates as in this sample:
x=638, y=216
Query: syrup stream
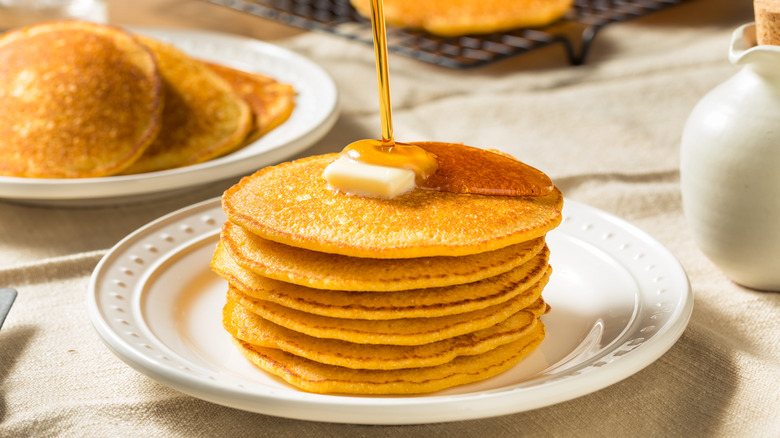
x=387, y=152
x=382, y=75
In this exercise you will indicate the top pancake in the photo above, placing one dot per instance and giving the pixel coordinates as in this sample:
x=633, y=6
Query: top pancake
x=79, y=100
x=460, y=17
x=203, y=117
x=291, y=203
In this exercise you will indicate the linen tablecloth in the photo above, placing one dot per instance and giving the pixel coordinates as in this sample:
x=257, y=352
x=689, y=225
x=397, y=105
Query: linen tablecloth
x=607, y=132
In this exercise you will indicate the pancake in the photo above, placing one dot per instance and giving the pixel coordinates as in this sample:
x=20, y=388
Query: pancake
x=331, y=271
x=79, y=100
x=249, y=327
x=413, y=303
x=408, y=331
x=292, y=204
x=203, y=117
x=271, y=102
x=460, y=17
x=322, y=378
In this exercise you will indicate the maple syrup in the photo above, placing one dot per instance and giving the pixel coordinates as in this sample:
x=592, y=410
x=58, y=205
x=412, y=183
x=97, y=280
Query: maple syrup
x=403, y=155
x=465, y=169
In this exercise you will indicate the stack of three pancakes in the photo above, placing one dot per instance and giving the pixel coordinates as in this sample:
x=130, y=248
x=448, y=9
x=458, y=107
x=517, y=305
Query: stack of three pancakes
x=343, y=294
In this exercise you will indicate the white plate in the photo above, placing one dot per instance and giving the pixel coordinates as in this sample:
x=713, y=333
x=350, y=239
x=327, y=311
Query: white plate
x=619, y=301
x=315, y=113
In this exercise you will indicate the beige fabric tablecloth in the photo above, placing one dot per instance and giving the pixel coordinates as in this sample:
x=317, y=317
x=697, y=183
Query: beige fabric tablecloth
x=608, y=133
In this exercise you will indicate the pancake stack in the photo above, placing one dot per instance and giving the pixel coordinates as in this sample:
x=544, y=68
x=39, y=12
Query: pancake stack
x=88, y=100
x=346, y=294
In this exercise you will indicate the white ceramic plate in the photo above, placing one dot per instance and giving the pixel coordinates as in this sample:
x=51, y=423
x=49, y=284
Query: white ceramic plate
x=314, y=115
x=619, y=301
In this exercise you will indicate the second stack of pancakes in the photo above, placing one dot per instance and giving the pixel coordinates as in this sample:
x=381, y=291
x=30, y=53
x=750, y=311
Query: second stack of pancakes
x=344, y=294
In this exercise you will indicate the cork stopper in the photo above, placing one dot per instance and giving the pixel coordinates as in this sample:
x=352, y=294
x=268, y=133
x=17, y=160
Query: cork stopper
x=767, y=21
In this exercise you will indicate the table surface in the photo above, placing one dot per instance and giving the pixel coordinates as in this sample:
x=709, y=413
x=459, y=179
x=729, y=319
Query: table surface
x=607, y=132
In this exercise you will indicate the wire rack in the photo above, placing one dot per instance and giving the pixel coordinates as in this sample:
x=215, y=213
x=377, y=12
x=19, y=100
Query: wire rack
x=575, y=32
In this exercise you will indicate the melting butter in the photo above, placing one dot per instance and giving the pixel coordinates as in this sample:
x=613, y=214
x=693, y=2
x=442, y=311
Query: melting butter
x=371, y=180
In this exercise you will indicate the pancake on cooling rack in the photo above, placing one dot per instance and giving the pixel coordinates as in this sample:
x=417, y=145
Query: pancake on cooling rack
x=88, y=100
x=336, y=293
x=461, y=17
x=79, y=100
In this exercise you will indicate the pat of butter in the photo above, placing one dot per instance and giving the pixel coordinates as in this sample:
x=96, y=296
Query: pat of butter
x=361, y=179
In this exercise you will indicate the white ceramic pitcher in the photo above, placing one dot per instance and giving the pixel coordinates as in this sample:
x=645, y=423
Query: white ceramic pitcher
x=730, y=167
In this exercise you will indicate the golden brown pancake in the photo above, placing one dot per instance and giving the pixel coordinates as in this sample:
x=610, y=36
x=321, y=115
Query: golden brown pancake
x=203, y=117
x=338, y=272
x=250, y=327
x=292, y=204
x=79, y=100
x=413, y=303
x=322, y=378
x=460, y=17
x=408, y=331
x=271, y=102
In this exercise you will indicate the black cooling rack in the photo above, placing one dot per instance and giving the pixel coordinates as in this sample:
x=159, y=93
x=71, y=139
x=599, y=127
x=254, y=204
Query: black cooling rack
x=575, y=31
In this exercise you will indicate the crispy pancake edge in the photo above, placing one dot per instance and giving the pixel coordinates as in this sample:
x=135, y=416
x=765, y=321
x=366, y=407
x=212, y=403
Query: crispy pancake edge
x=314, y=377
x=445, y=300
x=251, y=328
x=410, y=331
x=340, y=272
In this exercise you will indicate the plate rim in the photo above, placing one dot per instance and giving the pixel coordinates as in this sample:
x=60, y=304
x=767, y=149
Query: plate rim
x=373, y=410
x=110, y=188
